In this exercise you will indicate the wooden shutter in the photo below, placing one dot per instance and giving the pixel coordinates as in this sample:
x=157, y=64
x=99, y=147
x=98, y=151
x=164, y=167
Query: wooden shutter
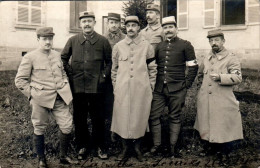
x=182, y=14
x=29, y=12
x=209, y=14
x=23, y=12
x=75, y=8
x=253, y=12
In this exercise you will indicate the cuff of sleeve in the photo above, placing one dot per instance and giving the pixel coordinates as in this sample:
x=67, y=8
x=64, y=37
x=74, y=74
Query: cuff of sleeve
x=225, y=79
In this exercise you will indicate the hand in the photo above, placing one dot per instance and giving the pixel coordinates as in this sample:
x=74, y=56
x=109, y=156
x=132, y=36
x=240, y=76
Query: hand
x=215, y=77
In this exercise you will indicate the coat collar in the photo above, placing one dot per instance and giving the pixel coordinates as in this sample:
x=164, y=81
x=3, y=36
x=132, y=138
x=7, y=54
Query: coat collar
x=176, y=38
x=137, y=40
x=222, y=54
x=153, y=27
x=92, y=40
x=111, y=35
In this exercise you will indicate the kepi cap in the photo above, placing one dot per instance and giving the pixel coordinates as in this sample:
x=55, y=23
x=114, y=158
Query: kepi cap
x=168, y=20
x=131, y=19
x=86, y=14
x=154, y=7
x=45, y=31
x=114, y=16
x=215, y=33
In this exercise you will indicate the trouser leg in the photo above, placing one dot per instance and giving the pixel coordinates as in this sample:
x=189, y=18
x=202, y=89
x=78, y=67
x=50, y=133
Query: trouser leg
x=157, y=108
x=80, y=116
x=176, y=103
x=97, y=119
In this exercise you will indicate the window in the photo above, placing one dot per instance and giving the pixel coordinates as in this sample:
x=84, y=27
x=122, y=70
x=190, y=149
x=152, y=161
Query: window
x=233, y=12
x=177, y=8
x=75, y=8
x=29, y=13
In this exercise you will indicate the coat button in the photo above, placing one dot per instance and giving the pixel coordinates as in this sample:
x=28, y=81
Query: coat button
x=85, y=61
x=209, y=84
x=132, y=62
x=131, y=69
x=131, y=76
x=212, y=63
x=212, y=70
x=165, y=67
x=210, y=92
x=165, y=72
x=166, y=61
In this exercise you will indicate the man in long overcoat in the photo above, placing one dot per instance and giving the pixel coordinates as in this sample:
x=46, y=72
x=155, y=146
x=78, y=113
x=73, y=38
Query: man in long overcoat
x=42, y=79
x=90, y=55
x=218, y=118
x=133, y=77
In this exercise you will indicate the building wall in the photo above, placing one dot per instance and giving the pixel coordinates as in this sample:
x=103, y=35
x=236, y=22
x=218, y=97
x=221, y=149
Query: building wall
x=13, y=41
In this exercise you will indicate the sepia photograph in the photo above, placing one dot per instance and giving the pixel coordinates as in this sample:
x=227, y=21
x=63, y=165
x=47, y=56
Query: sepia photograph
x=130, y=83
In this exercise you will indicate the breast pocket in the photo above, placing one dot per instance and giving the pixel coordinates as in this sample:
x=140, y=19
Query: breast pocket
x=98, y=54
x=40, y=71
x=122, y=58
x=156, y=40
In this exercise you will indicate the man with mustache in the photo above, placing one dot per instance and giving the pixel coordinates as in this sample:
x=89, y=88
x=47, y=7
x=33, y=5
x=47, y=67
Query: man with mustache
x=153, y=32
x=42, y=79
x=218, y=118
x=173, y=56
x=133, y=77
x=90, y=67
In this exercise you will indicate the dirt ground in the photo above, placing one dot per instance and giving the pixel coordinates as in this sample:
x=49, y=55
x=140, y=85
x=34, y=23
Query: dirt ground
x=16, y=135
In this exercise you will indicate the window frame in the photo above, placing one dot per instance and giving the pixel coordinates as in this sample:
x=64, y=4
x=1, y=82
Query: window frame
x=29, y=24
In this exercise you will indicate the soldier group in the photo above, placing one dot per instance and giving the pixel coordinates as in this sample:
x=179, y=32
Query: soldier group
x=133, y=76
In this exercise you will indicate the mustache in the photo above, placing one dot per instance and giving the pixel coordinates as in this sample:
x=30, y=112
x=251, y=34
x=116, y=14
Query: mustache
x=214, y=45
x=169, y=33
x=131, y=31
x=87, y=26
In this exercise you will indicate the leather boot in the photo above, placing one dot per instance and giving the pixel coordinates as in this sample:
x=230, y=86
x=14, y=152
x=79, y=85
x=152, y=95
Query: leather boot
x=38, y=143
x=156, y=133
x=64, y=143
x=174, y=134
x=139, y=155
x=122, y=155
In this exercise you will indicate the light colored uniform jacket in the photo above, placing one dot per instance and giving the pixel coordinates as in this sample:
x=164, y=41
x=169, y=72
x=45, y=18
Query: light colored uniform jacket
x=133, y=77
x=218, y=117
x=40, y=77
x=154, y=34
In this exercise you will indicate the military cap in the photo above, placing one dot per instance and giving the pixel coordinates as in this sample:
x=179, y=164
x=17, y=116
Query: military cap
x=86, y=14
x=114, y=16
x=168, y=20
x=131, y=19
x=215, y=33
x=44, y=31
x=154, y=7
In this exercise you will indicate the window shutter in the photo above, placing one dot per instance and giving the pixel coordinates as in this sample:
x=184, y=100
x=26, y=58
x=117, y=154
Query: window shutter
x=75, y=8
x=23, y=12
x=209, y=14
x=36, y=16
x=253, y=12
x=182, y=14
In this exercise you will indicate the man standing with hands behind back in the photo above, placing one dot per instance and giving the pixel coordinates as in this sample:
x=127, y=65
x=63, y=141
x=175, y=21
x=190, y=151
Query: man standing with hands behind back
x=90, y=55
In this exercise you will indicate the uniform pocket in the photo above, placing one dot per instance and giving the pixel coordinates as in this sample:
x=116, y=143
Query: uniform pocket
x=122, y=58
x=40, y=67
x=37, y=86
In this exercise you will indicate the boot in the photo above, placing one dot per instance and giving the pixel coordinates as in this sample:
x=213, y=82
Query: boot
x=139, y=155
x=122, y=155
x=64, y=143
x=174, y=133
x=38, y=143
x=156, y=133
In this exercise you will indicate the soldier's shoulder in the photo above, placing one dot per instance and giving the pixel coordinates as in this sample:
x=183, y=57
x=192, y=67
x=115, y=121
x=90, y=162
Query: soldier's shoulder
x=31, y=53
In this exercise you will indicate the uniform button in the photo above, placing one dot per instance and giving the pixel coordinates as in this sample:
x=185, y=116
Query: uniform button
x=211, y=70
x=212, y=63
x=166, y=56
x=209, y=84
x=166, y=61
x=131, y=76
x=210, y=92
x=165, y=72
x=167, y=52
x=132, y=62
x=165, y=81
x=131, y=69
x=85, y=61
x=165, y=67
